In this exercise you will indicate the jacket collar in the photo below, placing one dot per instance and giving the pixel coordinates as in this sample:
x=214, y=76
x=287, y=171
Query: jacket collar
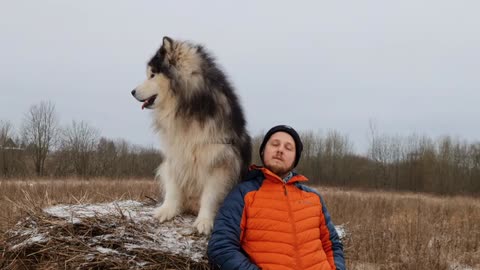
x=269, y=175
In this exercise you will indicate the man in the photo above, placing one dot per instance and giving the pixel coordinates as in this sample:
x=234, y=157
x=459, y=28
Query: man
x=271, y=221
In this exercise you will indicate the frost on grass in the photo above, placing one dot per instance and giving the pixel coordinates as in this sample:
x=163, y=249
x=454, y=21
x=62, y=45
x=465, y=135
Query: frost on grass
x=121, y=235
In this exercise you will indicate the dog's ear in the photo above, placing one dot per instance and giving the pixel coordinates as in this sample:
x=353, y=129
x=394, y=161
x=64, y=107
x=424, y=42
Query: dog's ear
x=167, y=43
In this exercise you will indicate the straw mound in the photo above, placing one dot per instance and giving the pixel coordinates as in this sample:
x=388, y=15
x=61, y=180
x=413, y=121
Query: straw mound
x=118, y=235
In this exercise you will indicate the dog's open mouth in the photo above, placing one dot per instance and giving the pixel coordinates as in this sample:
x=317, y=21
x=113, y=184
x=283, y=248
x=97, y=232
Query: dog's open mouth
x=148, y=102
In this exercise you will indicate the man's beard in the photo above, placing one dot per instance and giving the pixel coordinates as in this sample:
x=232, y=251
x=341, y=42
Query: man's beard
x=278, y=170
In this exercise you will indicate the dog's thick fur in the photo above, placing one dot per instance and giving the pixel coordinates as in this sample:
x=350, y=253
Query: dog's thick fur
x=202, y=127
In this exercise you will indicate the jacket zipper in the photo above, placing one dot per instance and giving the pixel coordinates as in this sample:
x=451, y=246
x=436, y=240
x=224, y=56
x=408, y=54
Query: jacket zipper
x=292, y=222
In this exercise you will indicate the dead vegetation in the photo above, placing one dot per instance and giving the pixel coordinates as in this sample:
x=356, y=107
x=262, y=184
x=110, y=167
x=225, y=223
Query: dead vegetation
x=385, y=230
x=119, y=235
x=393, y=230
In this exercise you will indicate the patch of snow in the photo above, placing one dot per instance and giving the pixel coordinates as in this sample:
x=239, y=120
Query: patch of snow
x=106, y=250
x=341, y=231
x=38, y=239
x=141, y=264
x=74, y=213
x=35, y=239
x=175, y=237
x=27, y=232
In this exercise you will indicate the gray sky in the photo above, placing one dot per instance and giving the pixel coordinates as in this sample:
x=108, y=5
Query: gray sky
x=411, y=66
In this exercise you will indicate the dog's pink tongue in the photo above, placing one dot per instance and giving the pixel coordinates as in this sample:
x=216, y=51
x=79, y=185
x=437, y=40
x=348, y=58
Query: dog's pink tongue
x=144, y=104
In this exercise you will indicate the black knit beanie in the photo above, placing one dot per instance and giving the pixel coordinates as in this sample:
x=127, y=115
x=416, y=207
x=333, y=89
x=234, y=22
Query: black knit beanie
x=289, y=130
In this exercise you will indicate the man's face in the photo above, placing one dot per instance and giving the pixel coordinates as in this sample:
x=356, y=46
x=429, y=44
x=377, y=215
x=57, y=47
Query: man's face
x=279, y=153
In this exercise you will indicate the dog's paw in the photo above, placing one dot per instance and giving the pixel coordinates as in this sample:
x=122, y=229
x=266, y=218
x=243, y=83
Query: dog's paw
x=164, y=213
x=203, y=225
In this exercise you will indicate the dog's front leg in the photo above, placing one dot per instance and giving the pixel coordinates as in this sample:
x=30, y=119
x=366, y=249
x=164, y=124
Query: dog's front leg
x=215, y=188
x=171, y=205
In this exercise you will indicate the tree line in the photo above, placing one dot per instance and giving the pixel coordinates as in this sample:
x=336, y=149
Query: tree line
x=410, y=163
x=43, y=148
x=447, y=165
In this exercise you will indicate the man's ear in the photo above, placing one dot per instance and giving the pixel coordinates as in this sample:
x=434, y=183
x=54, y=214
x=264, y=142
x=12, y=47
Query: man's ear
x=167, y=43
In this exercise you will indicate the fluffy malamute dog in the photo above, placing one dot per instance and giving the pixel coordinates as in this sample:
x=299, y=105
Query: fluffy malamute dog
x=202, y=128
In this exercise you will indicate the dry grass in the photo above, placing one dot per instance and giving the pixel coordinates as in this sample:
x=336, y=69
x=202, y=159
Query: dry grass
x=16, y=194
x=385, y=230
x=388, y=230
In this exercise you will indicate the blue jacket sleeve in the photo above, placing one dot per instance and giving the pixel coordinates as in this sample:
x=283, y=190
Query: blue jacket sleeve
x=337, y=246
x=224, y=249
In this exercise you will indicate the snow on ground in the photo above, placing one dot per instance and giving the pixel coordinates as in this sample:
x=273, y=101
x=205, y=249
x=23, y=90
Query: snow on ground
x=74, y=213
x=342, y=232
x=177, y=236
x=35, y=239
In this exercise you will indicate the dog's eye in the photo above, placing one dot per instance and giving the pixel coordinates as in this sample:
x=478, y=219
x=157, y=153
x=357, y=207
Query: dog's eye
x=152, y=75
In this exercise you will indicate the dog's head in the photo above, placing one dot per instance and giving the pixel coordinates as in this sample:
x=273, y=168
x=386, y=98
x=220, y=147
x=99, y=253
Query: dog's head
x=173, y=66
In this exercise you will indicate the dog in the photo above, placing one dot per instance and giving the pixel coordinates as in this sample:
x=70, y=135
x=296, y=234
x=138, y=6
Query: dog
x=202, y=128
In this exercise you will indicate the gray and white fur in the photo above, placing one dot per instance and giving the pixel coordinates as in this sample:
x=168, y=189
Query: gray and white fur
x=202, y=127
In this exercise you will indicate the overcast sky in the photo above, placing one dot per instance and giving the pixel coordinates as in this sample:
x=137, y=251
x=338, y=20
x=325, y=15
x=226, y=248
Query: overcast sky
x=410, y=66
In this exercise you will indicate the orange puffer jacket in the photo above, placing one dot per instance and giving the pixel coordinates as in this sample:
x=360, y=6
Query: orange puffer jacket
x=268, y=224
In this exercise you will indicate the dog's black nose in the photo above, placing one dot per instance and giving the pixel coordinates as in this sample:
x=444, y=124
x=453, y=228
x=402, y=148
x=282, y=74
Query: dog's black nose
x=133, y=92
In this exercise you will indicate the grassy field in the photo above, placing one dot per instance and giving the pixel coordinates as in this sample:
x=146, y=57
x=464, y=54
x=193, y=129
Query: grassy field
x=385, y=230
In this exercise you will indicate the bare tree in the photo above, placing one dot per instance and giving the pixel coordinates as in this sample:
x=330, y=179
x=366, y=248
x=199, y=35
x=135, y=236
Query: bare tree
x=6, y=130
x=80, y=140
x=106, y=158
x=5, y=138
x=256, y=142
x=309, y=163
x=39, y=132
